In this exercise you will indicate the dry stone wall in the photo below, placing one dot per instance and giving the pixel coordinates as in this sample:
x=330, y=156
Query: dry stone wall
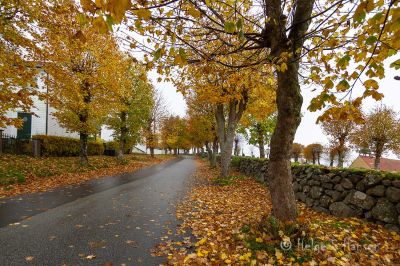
x=371, y=195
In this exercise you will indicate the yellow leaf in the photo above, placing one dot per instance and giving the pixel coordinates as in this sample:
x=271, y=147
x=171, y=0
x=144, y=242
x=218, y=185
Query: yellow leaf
x=194, y=12
x=283, y=67
x=29, y=258
x=371, y=83
x=143, y=14
x=201, y=242
x=278, y=254
x=88, y=5
x=100, y=24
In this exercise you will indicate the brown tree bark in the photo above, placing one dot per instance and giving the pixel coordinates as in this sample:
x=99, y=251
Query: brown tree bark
x=209, y=151
x=226, y=128
x=214, y=152
x=341, y=151
x=289, y=101
x=236, y=149
x=123, y=136
x=378, y=155
x=261, y=143
x=83, y=156
x=280, y=178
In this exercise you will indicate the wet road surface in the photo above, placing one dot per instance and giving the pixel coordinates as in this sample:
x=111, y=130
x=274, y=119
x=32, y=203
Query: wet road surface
x=117, y=219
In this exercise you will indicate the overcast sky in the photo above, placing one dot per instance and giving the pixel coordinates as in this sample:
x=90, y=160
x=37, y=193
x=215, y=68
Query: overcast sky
x=308, y=131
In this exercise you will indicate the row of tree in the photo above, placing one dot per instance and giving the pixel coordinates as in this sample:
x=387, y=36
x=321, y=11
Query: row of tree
x=378, y=134
x=90, y=82
x=230, y=51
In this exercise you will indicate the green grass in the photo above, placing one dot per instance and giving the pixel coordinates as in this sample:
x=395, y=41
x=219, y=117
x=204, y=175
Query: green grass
x=14, y=168
x=228, y=180
x=10, y=175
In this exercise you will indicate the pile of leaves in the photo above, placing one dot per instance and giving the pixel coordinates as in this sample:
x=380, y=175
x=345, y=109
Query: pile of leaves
x=25, y=174
x=232, y=223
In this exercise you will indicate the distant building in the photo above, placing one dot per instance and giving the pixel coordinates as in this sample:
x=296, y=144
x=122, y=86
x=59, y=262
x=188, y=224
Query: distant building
x=39, y=121
x=368, y=162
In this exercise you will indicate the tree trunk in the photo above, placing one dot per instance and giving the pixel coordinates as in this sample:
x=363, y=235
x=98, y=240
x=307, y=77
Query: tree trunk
x=296, y=158
x=289, y=101
x=378, y=155
x=341, y=151
x=340, y=158
x=261, y=142
x=236, y=149
x=226, y=131
x=214, y=152
x=123, y=136
x=83, y=156
x=121, y=149
x=209, y=151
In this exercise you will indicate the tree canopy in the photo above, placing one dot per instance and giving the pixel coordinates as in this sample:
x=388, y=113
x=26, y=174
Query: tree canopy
x=379, y=133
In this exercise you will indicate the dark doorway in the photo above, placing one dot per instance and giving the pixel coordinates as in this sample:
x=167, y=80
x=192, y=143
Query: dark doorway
x=25, y=131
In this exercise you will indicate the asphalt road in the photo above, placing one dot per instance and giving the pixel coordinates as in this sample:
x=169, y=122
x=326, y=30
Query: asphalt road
x=119, y=221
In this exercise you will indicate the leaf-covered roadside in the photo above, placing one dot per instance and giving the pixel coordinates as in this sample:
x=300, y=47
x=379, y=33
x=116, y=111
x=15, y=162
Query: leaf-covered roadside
x=24, y=174
x=233, y=226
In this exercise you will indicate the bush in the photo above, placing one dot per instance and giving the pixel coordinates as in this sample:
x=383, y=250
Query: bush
x=235, y=161
x=114, y=145
x=64, y=146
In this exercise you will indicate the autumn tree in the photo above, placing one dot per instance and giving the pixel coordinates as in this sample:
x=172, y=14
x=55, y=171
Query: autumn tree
x=258, y=131
x=157, y=114
x=336, y=152
x=202, y=127
x=313, y=152
x=134, y=101
x=328, y=36
x=297, y=151
x=379, y=133
x=80, y=62
x=18, y=69
x=173, y=134
x=338, y=132
x=229, y=91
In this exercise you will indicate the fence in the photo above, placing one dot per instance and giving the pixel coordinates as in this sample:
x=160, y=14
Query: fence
x=11, y=144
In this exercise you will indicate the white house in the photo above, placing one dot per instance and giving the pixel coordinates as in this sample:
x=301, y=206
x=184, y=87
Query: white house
x=39, y=121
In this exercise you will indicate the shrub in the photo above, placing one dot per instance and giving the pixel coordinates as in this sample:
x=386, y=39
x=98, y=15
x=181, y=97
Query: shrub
x=235, y=161
x=64, y=146
x=114, y=145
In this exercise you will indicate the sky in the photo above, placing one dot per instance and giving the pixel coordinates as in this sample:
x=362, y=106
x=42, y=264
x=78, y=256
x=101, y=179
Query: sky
x=308, y=132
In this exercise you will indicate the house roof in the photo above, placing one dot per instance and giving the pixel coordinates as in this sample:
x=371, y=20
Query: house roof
x=385, y=165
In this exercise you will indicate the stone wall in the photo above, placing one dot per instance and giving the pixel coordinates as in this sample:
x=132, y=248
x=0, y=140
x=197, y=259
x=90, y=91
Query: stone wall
x=372, y=195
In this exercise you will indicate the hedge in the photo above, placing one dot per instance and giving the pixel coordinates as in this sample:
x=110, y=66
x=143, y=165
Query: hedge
x=64, y=146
